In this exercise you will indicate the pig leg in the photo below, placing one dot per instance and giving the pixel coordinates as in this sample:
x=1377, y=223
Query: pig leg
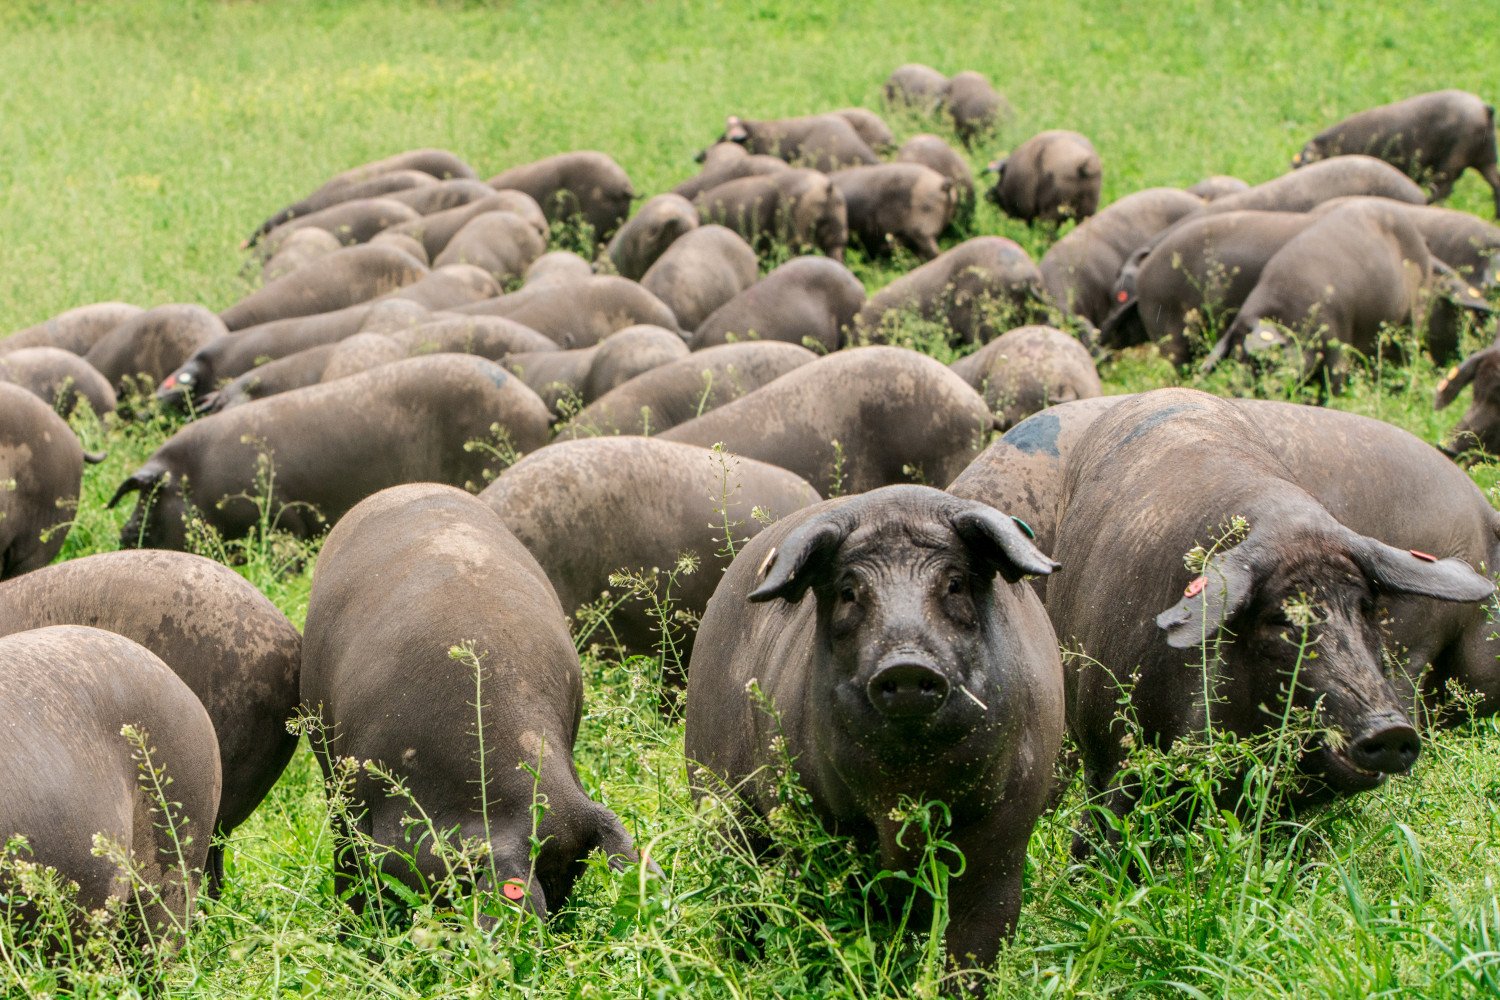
x=985, y=901
x=1491, y=175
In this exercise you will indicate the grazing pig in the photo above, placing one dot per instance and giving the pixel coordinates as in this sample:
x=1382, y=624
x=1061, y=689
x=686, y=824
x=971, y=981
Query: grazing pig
x=904, y=203
x=1338, y=177
x=915, y=86
x=227, y=357
x=230, y=645
x=41, y=469
x=822, y=142
x=437, y=163
x=59, y=378
x=855, y=420
x=1130, y=617
x=682, y=390
x=378, y=186
x=807, y=299
x=435, y=230
x=1478, y=430
x=581, y=313
x=557, y=377
x=71, y=775
x=567, y=379
x=920, y=669
x=492, y=337
x=1338, y=282
x=411, y=573
x=799, y=208
x=932, y=152
x=1432, y=138
x=76, y=330
x=1424, y=503
x=1028, y=369
x=381, y=188
x=485, y=336
x=974, y=105
x=724, y=162
x=700, y=272
x=976, y=289
x=401, y=241
x=152, y=344
x=1050, y=177
x=295, y=371
x=360, y=353
x=627, y=353
x=871, y=128
x=429, y=199
x=452, y=285
x=1464, y=242
x=330, y=446
x=586, y=509
x=562, y=266
x=1192, y=283
x=501, y=243
x=300, y=247
x=337, y=281
x=1079, y=270
x=1218, y=186
x=648, y=234
x=351, y=222
x=587, y=185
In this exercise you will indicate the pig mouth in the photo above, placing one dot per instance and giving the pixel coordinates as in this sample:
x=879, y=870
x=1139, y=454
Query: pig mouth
x=1338, y=772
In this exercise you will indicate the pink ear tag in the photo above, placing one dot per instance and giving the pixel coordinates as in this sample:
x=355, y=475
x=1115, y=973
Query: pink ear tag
x=1121, y=295
x=1195, y=588
x=170, y=382
x=1424, y=556
x=514, y=889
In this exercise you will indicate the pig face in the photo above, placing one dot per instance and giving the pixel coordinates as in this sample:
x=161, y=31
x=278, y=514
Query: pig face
x=913, y=650
x=1479, y=428
x=1300, y=605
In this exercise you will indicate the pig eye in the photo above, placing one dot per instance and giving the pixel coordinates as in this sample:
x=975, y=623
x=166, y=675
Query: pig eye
x=847, y=594
x=955, y=584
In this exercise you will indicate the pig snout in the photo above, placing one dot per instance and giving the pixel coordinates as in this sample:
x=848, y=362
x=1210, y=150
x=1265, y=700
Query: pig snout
x=907, y=686
x=1386, y=744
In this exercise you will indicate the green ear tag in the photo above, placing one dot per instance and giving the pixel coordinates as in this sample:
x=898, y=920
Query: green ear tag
x=1024, y=527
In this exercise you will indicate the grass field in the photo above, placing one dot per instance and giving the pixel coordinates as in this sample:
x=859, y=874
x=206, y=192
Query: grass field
x=140, y=142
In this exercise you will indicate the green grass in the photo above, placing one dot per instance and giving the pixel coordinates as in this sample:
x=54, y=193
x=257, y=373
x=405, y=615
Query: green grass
x=140, y=142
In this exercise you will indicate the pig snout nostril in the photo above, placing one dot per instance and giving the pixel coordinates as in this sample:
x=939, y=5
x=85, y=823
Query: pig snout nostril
x=1387, y=747
x=907, y=690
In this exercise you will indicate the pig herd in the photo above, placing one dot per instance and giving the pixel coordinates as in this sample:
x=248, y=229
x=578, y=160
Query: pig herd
x=492, y=431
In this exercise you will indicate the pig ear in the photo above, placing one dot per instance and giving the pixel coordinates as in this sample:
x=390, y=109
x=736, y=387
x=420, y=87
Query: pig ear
x=1450, y=285
x=999, y=540
x=1210, y=600
x=1453, y=383
x=141, y=480
x=735, y=131
x=1408, y=571
x=789, y=569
